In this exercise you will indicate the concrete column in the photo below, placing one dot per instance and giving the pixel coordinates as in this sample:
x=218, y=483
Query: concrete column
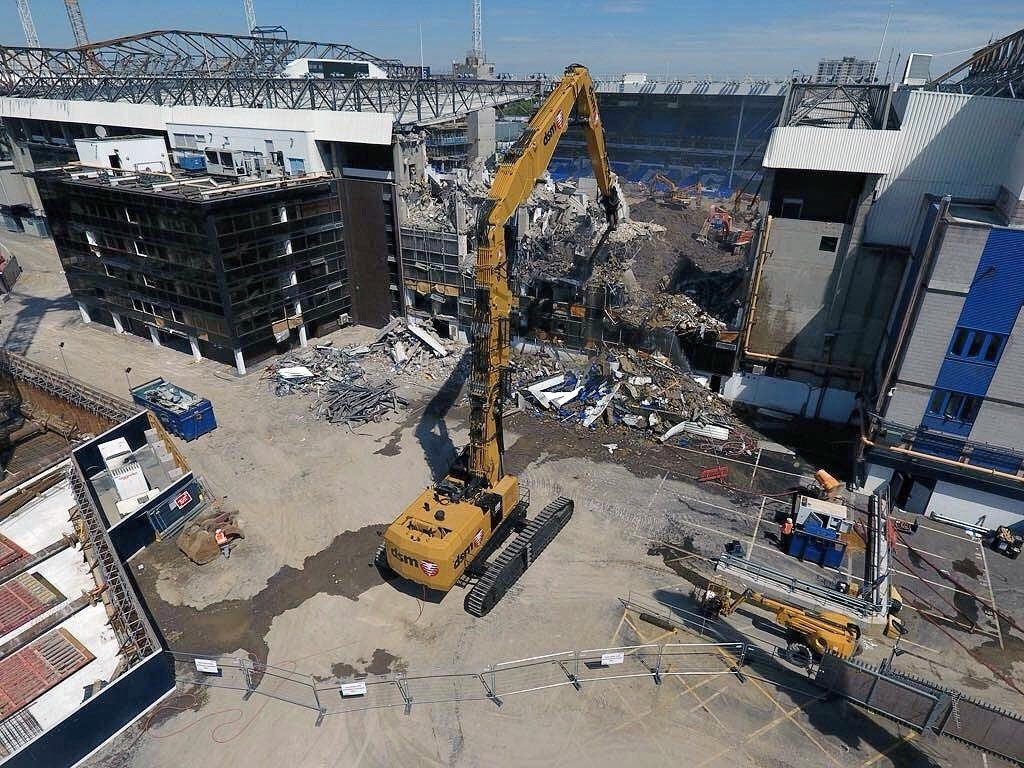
x=117, y=322
x=154, y=335
x=85, y=313
x=239, y=362
x=303, y=341
x=194, y=343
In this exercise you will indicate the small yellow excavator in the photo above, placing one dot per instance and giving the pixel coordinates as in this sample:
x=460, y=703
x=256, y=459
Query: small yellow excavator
x=454, y=526
x=810, y=633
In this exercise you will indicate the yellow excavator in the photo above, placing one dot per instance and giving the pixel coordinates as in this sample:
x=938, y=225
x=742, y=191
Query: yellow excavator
x=810, y=633
x=447, y=535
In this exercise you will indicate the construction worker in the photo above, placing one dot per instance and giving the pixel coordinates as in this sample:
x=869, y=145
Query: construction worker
x=222, y=541
x=786, y=533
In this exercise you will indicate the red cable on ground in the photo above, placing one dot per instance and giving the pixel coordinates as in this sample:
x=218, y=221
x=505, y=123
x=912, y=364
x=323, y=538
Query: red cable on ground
x=946, y=575
x=969, y=650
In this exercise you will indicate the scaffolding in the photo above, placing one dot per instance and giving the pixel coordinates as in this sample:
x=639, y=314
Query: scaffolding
x=76, y=393
x=129, y=621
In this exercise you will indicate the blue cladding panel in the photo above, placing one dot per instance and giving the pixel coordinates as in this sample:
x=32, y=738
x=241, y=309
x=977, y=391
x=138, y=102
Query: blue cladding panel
x=997, y=291
x=992, y=305
x=964, y=376
x=936, y=445
x=982, y=457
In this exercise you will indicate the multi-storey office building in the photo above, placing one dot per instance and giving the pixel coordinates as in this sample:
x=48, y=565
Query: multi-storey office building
x=220, y=270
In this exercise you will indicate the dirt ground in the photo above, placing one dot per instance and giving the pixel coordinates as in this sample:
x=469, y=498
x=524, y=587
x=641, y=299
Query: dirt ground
x=300, y=591
x=673, y=260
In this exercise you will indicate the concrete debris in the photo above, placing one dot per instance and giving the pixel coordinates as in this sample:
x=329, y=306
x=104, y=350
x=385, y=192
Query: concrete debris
x=427, y=338
x=354, y=385
x=634, y=390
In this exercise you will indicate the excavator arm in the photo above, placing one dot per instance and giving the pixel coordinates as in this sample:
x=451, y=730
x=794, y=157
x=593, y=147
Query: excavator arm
x=457, y=525
x=512, y=185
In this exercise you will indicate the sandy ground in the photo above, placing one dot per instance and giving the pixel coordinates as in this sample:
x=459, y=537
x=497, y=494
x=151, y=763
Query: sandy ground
x=300, y=592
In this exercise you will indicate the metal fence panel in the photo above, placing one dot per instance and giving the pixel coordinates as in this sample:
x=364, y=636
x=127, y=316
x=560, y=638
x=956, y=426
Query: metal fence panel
x=987, y=727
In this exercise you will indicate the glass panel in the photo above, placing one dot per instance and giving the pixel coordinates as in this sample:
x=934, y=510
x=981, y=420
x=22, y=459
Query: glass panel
x=952, y=410
x=959, y=340
x=977, y=340
x=992, y=351
x=970, y=409
x=935, y=406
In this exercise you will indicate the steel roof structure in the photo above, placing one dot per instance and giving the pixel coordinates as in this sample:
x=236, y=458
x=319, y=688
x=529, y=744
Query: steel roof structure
x=995, y=70
x=838, y=105
x=171, y=68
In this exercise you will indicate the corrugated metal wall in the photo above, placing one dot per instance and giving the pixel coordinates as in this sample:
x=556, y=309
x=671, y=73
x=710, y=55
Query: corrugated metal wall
x=949, y=143
x=807, y=147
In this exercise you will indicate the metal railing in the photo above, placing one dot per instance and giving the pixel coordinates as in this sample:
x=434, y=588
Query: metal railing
x=492, y=683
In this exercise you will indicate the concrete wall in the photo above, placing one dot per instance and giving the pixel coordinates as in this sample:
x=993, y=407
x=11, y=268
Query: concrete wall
x=930, y=337
x=13, y=188
x=973, y=506
x=480, y=130
x=1000, y=424
x=789, y=317
x=956, y=262
x=907, y=405
x=133, y=154
x=1008, y=382
x=789, y=396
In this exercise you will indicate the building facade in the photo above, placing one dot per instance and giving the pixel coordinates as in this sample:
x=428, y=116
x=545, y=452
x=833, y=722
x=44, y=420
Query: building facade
x=218, y=271
x=887, y=287
x=947, y=435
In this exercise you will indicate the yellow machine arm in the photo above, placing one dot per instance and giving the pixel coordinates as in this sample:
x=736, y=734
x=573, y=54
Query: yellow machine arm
x=512, y=185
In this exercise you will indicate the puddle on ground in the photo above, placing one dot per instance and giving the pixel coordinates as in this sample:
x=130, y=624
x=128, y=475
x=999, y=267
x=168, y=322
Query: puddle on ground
x=675, y=556
x=381, y=663
x=967, y=567
x=344, y=568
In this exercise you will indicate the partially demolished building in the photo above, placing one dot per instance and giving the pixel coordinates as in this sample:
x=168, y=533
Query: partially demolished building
x=886, y=285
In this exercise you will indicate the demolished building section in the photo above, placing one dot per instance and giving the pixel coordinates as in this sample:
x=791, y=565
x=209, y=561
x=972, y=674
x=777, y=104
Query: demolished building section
x=576, y=283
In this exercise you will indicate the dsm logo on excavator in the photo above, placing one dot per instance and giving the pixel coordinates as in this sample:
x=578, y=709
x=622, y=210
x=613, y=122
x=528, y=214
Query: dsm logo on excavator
x=464, y=554
x=556, y=125
x=401, y=557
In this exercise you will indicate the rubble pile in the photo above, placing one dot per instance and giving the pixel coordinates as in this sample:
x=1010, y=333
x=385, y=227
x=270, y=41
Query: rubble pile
x=357, y=384
x=635, y=391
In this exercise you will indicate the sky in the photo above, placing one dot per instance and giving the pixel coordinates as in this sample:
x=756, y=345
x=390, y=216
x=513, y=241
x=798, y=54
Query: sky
x=678, y=37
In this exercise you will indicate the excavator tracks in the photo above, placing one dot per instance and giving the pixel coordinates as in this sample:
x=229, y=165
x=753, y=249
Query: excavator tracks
x=518, y=556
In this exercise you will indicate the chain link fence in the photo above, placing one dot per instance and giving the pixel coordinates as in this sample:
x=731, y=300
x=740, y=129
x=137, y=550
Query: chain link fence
x=494, y=682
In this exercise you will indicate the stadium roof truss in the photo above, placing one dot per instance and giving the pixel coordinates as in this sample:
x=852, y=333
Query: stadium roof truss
x=170, y=68
x=995, y=70
x=838, y=105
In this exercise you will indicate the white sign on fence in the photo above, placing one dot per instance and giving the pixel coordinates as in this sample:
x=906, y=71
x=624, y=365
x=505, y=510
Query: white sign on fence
x=607, y=659
x=353, y=689
x=207, y=666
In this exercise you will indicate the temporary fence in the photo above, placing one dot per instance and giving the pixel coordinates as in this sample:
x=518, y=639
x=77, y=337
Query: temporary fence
x=494, y=682
x=921, y=704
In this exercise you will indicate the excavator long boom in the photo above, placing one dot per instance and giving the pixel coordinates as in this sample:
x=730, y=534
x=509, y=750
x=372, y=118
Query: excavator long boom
x=512, y=185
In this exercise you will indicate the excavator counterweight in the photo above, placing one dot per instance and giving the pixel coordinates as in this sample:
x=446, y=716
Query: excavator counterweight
x=455, y=525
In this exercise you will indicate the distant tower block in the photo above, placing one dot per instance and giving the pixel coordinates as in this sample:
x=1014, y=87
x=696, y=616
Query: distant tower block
x=27, y=24
x=77, y=22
